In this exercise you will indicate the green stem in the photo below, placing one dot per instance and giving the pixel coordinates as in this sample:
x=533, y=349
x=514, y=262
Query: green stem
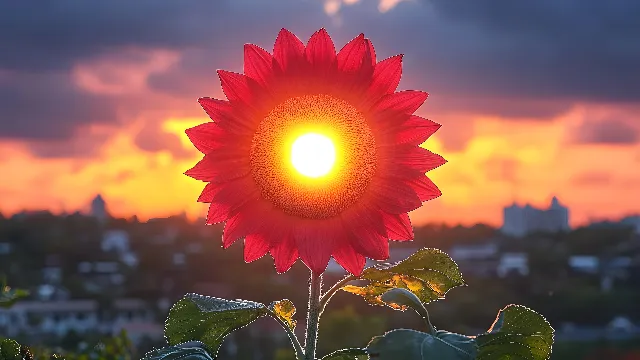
x=329, y=294
x=292, y=336
x=313, y=316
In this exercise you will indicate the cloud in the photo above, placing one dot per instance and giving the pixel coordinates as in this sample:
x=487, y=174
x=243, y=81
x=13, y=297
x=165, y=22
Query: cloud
x=592, y=178
x=153, y=138
x=48, y=106
x=606, y=132
x=501, y=169
x=575, y=49
x=84, y=146
x=76, y=63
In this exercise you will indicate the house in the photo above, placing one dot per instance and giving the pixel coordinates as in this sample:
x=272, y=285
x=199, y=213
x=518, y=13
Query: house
x=52, y=270
x=585, y=264
x=479, y=260
x=5, y=248
x=513, y=263
x=49, y=317
x=115, y=240
x=633, y=221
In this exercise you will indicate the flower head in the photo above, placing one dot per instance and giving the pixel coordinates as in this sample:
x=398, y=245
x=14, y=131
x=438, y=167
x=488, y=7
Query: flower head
x=314, y=155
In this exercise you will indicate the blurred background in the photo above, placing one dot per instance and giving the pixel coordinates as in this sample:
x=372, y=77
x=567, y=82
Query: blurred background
x=538, y=102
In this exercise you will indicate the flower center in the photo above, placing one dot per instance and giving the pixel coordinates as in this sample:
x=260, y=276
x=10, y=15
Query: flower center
x=313, y=156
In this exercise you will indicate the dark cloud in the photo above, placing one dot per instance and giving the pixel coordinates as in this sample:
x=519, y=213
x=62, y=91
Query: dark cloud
x=611, y=132
x=505, y=107
x=153, y=139
x=575, y=49
x=84, y=145
x=55, y=34
x=48, y=106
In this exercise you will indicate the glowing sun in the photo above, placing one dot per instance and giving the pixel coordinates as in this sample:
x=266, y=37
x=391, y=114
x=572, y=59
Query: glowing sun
x=313, y=155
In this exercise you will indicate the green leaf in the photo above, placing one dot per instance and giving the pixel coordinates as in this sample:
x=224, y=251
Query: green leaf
x=403, y=297
x=9, y=350
x=209, y=319
x=347, y=354
x=517, y=333
x=284, y=310
x=9, y=296
x=410, y=344
x=428, y=273
x=178, y=353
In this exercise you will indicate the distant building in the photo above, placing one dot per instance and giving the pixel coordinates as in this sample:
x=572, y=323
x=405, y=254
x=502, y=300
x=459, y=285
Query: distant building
x=99, y=208
x=478, y=260
x=633, y=221
x=587, y=264
x=115, y=240
x=60, y=317
x=5, y=248
x=520, y=221
x=513, y=263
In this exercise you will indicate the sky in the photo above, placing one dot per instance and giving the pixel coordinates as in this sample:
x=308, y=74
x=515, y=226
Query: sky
x=535, y=98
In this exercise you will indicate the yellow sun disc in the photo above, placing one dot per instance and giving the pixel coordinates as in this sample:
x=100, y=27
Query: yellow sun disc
x=313, y=155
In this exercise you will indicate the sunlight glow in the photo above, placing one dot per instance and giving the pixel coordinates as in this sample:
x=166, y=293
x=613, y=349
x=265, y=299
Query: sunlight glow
x=313, y=155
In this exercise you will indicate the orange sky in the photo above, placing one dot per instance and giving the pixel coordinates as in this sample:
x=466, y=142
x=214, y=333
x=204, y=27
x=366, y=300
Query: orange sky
x=499, y=160
x=503, y=161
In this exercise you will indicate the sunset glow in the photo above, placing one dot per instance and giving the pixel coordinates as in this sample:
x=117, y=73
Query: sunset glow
x=313, y=155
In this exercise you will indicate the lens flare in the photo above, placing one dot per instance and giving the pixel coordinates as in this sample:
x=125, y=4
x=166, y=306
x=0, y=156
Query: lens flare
x=313, y=155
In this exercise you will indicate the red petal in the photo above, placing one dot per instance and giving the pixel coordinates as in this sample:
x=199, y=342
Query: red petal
x=394, y=197
x=206, y=137
x=315, y=239
x=216, y=109
x=355, y=62
x=386, y=77
x=351, y=55
x=247, y=221
x=224, y=114
x=407, y=101
x=237, y=87
x=208, y=192
x=258, y=64
x=415, y=131
x=398, y=226
x=320, y=50
x=395, y=170
x=288, y=50
x=349, y=259
x=372, y=52
x=412, y=156
x=284, y=253
x=230, y=197
x=368, y=234
x=425, y=188
x=255, y=247
x=222, y=164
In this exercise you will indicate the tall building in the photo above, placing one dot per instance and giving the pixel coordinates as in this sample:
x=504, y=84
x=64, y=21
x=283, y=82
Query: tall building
x=520, y=221
x=99, y=208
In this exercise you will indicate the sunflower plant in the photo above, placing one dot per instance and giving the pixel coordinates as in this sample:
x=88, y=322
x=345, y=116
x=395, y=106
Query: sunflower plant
x=314, y=155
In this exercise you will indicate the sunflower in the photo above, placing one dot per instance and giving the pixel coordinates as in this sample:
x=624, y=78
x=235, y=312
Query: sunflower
x=314, y=154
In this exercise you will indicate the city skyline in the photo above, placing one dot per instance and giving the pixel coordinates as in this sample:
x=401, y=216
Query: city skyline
x=100, y=104
x=98, y=207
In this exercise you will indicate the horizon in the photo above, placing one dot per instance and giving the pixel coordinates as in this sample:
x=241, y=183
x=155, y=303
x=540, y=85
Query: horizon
x=193, y=218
